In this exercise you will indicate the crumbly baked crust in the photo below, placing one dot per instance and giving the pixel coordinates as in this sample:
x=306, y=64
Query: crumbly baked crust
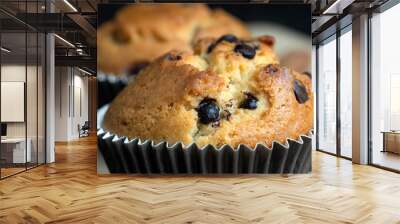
x=162, y=102
x=142, y=32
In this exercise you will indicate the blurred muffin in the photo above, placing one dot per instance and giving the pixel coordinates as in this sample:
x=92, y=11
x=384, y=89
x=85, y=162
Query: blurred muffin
x=229, y=91
x=298, y=60
x=142, y=32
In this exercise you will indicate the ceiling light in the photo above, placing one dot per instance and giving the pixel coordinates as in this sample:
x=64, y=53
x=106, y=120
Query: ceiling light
x=84, y=71
x=326, y=11
x=79, y=51
x=64, y=40
x=5, y=50
x=337, y=7
x=70, y=5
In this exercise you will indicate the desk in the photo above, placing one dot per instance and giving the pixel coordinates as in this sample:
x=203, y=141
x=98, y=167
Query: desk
x=391, y=141
x=13, y=150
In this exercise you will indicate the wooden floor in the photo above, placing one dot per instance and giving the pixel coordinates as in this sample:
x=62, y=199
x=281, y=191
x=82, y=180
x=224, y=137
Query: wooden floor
x=5, y=172
x=70, y=191
x=10, y=171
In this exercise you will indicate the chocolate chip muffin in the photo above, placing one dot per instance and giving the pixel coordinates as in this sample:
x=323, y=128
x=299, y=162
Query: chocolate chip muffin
x=142, y=32
x=229, y=91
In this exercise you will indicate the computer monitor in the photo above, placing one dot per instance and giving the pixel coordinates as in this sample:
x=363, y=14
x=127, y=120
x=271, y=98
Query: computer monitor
x=3, y=129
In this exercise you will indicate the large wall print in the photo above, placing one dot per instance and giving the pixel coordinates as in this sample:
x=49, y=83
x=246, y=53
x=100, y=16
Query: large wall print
x=204, y=89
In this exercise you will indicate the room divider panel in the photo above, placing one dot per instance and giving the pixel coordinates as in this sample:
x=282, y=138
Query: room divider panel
x=22, y=77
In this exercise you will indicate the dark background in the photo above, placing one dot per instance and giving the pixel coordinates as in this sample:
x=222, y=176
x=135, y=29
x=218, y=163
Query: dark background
x=297, y=17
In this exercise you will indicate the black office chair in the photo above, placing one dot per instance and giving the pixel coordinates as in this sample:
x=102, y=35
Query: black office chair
x=84, y=129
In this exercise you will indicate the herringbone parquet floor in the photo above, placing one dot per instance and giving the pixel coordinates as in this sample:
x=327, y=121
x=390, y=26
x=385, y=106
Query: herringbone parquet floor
x=70, y=191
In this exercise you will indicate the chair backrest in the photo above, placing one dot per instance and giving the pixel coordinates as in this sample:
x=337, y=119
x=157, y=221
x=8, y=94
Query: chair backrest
x=86, y=125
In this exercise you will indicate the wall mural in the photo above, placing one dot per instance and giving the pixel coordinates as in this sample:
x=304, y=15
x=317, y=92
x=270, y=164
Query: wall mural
x=204, y=89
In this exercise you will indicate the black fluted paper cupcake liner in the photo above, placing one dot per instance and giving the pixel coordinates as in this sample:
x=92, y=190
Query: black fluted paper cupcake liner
x=135, y=156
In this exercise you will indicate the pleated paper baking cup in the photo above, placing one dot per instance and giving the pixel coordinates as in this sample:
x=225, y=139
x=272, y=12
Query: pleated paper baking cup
x=136, y=156
x=109, y=87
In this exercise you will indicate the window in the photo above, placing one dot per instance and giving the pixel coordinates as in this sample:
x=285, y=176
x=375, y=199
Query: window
x=333, y=137
x=327, y=96
x=385, y=89
x=346, y=93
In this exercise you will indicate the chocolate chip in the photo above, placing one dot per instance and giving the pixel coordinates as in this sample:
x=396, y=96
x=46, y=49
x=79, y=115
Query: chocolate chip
x=253, y=44
x=228, y=37
x=137, y=68
x=250, y=102
x=211, y=47
x=208, y=111
x=300, y=92
x=245, y=50
x=271, y=69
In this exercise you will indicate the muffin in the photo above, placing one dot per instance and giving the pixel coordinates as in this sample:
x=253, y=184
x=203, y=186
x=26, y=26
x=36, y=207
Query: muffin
x=223, y=92
x=142, y=32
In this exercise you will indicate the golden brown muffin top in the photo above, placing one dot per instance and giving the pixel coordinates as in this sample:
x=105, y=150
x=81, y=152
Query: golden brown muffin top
x=248, y=98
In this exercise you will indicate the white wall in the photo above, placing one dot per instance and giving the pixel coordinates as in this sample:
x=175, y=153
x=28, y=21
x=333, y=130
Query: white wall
x=71, y=94
x=80, y=96
x=13, y=73
x=33, y=126
x=62, y=81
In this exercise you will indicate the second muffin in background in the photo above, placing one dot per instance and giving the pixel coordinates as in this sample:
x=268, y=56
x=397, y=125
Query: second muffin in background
x=142, y=32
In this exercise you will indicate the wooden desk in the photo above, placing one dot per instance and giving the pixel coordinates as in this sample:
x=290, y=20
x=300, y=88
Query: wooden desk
x=391, y=141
